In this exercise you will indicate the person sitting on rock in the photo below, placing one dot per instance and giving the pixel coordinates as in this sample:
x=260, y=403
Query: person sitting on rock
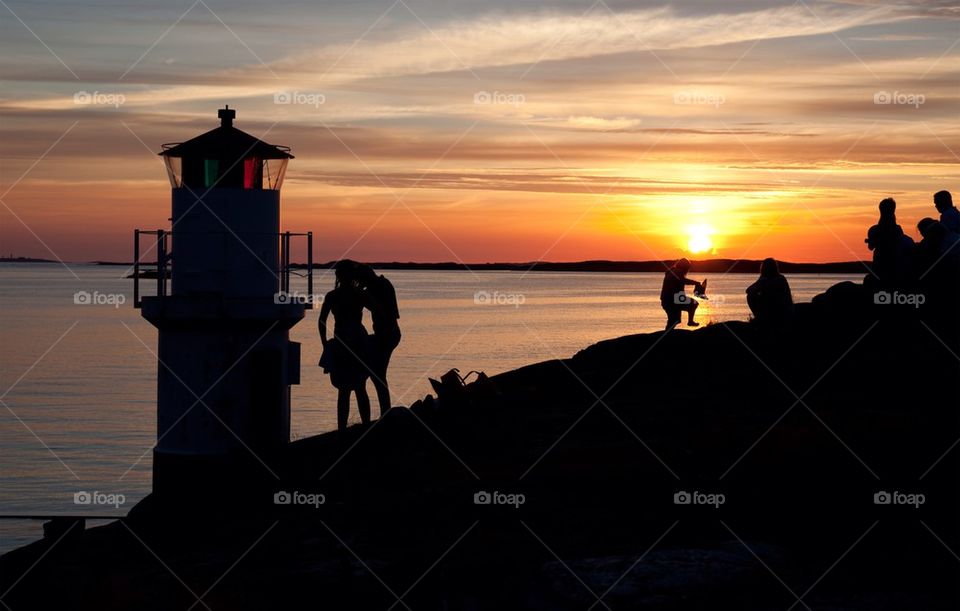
x=673, y=297
x=769, y=297
x=939, y=245
x=949, y=215
x=937, y=266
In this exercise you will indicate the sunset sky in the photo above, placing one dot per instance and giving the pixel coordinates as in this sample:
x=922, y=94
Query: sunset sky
x=490, y=131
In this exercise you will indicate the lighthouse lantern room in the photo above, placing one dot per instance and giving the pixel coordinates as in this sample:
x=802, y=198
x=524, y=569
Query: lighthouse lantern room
x=226, y=362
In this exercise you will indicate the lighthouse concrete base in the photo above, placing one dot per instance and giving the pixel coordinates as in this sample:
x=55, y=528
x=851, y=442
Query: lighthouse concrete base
x=223, y=388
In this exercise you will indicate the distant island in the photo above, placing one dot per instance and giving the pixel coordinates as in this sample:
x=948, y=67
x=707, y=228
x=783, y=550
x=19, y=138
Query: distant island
x=25, y=260
x=708, y=266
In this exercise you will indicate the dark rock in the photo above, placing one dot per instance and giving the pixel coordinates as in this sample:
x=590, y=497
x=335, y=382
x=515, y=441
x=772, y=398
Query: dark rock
x=797, y=428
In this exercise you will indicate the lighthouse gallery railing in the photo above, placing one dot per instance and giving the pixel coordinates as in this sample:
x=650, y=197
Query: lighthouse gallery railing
x=162, y=265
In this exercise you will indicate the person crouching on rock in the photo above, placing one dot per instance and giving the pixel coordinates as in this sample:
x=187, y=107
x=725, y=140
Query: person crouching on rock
x=343, y=355
x=673, y=297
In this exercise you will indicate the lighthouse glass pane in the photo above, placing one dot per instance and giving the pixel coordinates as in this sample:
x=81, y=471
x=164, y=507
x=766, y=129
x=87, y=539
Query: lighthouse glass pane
x=211, y=171
x=252, y=173
x=273, y=171
x=174, y=171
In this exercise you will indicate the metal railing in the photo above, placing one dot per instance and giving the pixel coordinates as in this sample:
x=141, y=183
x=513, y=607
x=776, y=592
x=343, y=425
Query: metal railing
x=160, y=245
x=163, y=269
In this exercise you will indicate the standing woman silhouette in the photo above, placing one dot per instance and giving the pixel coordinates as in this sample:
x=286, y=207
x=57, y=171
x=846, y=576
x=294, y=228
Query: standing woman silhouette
x=343, y=354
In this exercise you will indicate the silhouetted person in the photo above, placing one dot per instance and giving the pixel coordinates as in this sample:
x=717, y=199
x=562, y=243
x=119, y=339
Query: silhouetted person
x=939, y=244
x=769, y=297
x=891, y=249
x=926, y=253
x=343, y=354
x=949, y=215
x=937, y=269
x=381, y=299
x=673, y=297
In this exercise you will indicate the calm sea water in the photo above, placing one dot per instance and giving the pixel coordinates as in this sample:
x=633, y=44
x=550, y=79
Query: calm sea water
x=78, y=380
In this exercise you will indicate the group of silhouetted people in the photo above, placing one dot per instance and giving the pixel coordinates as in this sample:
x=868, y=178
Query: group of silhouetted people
x=352, y=356
x=930, y=268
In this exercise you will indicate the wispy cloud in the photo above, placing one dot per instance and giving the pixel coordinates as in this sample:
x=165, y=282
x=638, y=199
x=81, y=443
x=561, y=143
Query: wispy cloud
x=520, y=40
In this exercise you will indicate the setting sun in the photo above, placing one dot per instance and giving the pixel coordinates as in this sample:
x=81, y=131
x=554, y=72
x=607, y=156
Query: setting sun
x=698, y=239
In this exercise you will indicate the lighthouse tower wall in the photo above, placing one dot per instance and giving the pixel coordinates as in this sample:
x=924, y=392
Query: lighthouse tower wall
x=222, y=389
x=226, y=242
x=223, y=385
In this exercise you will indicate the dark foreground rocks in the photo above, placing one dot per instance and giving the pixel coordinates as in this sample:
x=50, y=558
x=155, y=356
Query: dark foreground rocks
x=564, y=485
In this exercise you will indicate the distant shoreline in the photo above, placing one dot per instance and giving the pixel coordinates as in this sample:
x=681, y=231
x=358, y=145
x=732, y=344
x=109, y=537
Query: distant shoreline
x=710, y=266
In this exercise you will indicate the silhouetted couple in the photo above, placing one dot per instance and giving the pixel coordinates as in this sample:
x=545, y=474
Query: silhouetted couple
x=351, y=355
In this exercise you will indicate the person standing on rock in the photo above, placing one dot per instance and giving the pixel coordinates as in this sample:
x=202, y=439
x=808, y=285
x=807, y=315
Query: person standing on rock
x=891, y=250
x=949, y=215
x=673, y=297
x=381, y=299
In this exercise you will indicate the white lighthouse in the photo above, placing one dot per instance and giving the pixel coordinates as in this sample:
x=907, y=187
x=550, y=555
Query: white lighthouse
x=226, y=360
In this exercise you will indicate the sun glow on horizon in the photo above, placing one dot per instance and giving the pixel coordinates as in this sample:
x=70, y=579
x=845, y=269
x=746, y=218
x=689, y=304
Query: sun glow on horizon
x=698, y=238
